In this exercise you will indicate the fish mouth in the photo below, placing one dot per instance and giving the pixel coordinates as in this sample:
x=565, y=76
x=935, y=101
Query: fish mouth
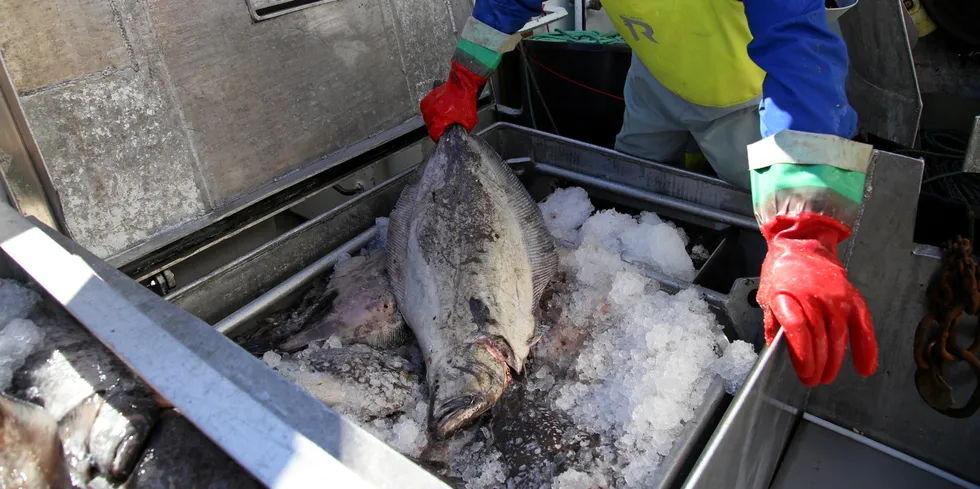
x=482, y=390
x=456, y=413
x=465, y=389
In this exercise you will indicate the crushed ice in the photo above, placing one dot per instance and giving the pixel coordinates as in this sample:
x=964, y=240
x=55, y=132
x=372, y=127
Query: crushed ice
x=734, y=366
x=18, y=339
x=650, y=356
x=380, y=239
x=377, y=389
x=645, y=358
x=19, y=336
x=564, y=211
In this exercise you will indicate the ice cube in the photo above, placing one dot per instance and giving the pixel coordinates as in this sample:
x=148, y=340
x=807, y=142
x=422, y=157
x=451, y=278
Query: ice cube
x=16, y=301
x=272, y=359
x=564, y=211
x=644, y=370
x=660, y=246
x=734, y=366
x=18, y=340
x=607, y=226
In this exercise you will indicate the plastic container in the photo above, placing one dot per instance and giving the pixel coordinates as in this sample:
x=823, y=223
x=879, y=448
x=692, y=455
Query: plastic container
x=594, y=114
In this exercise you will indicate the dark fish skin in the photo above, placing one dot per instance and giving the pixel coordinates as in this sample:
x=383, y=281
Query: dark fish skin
x=31, y=456
x=69, y=370
x=177, y=455
x=363, y=308
x=537, y=441
x=469, y=256
x=273, y=330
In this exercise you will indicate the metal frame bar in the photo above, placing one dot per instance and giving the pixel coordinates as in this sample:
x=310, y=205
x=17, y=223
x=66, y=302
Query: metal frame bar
x=230, y=288
x=24, y=173
x=254, y=12
x=247, y=205
x=511, y=140
x=230, y=325
x=745, y=449
x=227, y=289
x=332, y=162
x=651, y=198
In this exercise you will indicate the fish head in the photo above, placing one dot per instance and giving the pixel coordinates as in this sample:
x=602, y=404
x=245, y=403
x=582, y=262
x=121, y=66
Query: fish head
x=464, y=386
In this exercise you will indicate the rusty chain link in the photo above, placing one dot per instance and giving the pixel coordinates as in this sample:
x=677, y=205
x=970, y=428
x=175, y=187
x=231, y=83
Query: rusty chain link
x=951, y=294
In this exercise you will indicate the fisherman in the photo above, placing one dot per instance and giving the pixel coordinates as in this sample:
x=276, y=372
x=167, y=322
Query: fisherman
x=760, y=86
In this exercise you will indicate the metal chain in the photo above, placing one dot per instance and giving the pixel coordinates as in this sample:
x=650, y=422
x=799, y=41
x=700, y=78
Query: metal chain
x=953, y=293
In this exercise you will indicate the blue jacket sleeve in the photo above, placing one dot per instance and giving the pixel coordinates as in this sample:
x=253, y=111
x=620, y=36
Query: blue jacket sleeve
x=805, y=65
x=506, y=16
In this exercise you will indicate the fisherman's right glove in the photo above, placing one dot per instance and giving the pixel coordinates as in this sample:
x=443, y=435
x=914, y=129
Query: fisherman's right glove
x=488, y=34
x=805, y=208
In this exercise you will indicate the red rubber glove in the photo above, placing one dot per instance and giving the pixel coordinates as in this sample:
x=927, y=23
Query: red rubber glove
x=804, y=289
x=452, y=102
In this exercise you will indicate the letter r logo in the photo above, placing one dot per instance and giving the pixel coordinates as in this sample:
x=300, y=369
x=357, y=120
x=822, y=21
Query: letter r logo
x=647, y=31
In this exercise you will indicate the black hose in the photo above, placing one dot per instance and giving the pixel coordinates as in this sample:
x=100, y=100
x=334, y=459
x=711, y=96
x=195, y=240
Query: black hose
x=943, y=152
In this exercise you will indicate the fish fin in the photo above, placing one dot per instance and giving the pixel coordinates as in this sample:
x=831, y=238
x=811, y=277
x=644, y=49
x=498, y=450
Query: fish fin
x=320, y=330
x=269, y=335
x=388, y=338
x=540, y=243
x=257, y=348
x=74, y=428
x=540, y=331
x=38, y=422
x=29, y=425
x=79, y=419
x=319, y=309
x=397, y=240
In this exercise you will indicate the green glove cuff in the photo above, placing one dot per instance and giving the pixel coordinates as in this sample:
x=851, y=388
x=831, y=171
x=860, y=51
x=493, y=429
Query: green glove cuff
x=795, y=171
x=788, y=188
x=481, y=47
x=476, y=58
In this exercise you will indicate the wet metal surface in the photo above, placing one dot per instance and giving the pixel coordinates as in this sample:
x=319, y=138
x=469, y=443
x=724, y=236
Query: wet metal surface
x=25, y=177
x=883, y=264
x=158, y=118
x=748, y=446
x=822, y=457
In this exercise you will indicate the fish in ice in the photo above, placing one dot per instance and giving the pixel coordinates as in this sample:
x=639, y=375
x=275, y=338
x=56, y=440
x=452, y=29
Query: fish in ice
x=362, y=307
x=31, y=456
x=282, y=324
x=468, y=257
x=104, y=411
x=357, y=380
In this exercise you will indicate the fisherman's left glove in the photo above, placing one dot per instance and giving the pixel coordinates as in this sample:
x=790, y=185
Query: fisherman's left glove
x=452, y=102
x=488, y=34
x=805, y=208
